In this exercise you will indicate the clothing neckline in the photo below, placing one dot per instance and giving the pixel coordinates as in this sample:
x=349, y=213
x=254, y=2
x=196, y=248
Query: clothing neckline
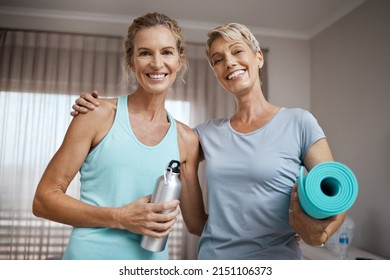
x=228, y=120
x=128, y=124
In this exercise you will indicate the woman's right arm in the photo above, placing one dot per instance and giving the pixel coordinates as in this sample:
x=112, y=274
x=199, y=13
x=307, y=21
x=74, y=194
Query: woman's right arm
x=51, y=201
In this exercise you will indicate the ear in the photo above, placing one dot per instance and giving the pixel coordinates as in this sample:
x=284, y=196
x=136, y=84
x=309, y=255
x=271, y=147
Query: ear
x=260, y=58
x=130, y=64
x=180, y=62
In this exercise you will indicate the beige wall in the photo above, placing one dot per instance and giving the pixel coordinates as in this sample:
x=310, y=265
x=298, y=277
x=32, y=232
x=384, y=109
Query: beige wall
x=350, y=96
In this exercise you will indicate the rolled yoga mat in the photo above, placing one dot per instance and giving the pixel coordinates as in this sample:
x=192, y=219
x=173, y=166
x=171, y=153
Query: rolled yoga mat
x=330, y=188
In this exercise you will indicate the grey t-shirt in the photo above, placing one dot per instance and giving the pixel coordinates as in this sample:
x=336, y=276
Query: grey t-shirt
x=250, y=176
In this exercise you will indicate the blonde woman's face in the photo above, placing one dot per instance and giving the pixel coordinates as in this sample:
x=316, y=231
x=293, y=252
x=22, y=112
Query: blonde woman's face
x=235, y=65
x=156, y=60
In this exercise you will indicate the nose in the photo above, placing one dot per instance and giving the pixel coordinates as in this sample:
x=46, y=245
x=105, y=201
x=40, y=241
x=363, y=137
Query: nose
x=230, y=61
x=157, y=61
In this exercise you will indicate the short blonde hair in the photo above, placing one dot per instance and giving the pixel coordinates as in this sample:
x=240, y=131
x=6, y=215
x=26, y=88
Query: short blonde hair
x=232, y=32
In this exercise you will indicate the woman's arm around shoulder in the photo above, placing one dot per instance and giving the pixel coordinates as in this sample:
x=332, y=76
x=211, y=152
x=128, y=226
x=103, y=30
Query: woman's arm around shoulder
x=192, y=204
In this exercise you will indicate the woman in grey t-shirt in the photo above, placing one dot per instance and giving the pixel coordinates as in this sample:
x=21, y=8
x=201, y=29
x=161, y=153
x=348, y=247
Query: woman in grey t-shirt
x=253, y=160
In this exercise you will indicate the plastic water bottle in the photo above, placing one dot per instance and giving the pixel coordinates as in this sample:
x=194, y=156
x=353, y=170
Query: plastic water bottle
x=340, y=241
x=343, y=246
x=167, y=188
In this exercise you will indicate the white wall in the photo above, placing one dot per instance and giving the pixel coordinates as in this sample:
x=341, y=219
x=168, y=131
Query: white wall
x=350, y=96
x=288, y=71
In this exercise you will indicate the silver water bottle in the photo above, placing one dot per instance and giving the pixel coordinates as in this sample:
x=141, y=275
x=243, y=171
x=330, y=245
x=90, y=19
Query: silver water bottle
x=167, y=188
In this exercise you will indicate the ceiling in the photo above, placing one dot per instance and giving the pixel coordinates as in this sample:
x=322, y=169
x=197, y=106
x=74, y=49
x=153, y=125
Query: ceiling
x=301, y=19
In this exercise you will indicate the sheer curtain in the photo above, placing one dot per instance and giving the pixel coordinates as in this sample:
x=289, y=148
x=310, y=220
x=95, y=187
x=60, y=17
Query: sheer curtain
x=41, y=74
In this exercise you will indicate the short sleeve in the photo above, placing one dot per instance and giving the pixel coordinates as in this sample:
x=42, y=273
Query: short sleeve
x=311, y=132
x=199, y=129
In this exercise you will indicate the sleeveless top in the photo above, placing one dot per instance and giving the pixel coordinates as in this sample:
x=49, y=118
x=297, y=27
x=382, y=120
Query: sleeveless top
x=119, y=170
x=250, y=176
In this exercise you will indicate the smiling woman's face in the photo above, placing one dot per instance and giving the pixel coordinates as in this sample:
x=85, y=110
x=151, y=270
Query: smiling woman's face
x=156, y=60
x=235, y=64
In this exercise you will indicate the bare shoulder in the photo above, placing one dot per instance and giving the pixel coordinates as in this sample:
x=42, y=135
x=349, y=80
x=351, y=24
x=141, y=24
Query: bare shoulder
x=107, y=105
x=106, y=108
x=109, y=101
x=98, y=122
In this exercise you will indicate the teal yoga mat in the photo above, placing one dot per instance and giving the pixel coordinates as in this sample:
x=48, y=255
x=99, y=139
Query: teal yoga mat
x=330, y=188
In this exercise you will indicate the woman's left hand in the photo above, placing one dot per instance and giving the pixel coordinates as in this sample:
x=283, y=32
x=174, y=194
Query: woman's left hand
x=312, y=231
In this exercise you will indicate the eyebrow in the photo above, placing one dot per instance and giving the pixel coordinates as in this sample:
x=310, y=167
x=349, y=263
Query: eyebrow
x=230, y=46
x=164, y=48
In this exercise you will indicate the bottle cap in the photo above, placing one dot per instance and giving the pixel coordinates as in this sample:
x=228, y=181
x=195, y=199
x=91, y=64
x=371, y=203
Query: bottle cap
x=174, y=165
x=343, y=240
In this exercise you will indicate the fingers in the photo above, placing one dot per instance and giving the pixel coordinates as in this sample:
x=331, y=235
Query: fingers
x=79, y=109
x=295, y=187
x=157, y=233
x=145, y=199
x=162, y=212
x=152, y=219
x=95, y=94
x=84, y=103
x=294, y=210
x=293, y=198
x=89, y=99
x=156, y=229
x=161, y=218
x=74, y=113
x=165, y=207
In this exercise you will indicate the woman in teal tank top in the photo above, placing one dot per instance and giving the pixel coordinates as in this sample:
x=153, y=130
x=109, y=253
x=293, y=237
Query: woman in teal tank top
x=120, y=149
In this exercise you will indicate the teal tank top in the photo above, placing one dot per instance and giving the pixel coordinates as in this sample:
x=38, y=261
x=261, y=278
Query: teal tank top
x=119, y=170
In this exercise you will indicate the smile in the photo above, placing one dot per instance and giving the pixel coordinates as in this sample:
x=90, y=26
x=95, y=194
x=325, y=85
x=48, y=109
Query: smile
x=157, y=76
x=235, y=74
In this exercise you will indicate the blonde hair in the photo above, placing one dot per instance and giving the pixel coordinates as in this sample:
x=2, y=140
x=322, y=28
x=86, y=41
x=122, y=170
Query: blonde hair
x=232, y=32
x=147, y=21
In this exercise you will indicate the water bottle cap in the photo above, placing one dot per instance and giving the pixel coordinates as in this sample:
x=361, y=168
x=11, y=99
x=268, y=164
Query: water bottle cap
x=174, y=165
x=343, y=240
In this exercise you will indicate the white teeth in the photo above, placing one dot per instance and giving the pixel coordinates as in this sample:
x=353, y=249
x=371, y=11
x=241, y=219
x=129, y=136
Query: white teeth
x=235, y=74
x=156, y=76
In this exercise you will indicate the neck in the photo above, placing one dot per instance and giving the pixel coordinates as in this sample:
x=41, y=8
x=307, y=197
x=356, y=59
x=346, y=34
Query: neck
x=150, y=106
x=252, y=113
x=252, y=106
